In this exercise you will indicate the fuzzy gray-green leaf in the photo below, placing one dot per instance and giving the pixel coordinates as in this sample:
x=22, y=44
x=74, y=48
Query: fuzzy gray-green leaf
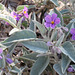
x=60, y=40
x=40, y=65
x=65, y=63
x=19, y=36
x=31, y=56
x=41, y=27
x=55, y=2
x=37, y=46
x=69, y=50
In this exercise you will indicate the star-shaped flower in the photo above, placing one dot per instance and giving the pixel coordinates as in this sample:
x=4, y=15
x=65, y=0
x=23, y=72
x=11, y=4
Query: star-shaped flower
x=25, y=11
x=52, y=21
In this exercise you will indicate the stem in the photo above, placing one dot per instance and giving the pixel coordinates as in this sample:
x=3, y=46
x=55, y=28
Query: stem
x=48, y=33
x=52, y=35
x=54, y=73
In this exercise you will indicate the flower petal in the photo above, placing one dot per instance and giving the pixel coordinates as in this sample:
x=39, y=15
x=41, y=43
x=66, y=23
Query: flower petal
x=1, y=50
x=72, y=31
x=48, y=18
x=47, y=25
x=70, y=69
x=25, y=8
x=73, y=37
x=0, y=57
x=9, y=61
x=49, y=43
x=52, y=26
x=57, y=20
x=26, y=15
x=54, y=16
x=7, y=23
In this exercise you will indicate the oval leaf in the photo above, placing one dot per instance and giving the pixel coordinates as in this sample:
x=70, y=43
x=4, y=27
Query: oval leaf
x=19, y=36
x=40, y=65
x=65, y=63
x=37, y=46
x=21, y=7
x=69, y=50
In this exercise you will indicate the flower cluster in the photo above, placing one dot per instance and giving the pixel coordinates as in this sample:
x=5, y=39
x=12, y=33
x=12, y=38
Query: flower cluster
x=73, y=33
x=70, y=69
x=18, y=16
x=52, y=21
x=8, y=60
x=54, y=48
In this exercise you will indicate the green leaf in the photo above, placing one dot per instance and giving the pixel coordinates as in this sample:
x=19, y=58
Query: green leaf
x=8, y=19
x=25, y=51
x=23, y=35
x=69, y=50
x=19, y=23
x=64, y=11
x=69, y=26
x=15, y=70
x=60, y=40
x=65, y=63
x=31, y=56
x=31, y=26
x=6, y=44
x=66, y=17
x=1, y=6
x=55, y=2
x=2, y=62
x=73, y=20
x=59, y=15
x=37, y=46
x=57, y=68
x=11, y=48
x=14, y=30
x=41, y=27
x=21, y=7
x=24, y=23
x=40, y=65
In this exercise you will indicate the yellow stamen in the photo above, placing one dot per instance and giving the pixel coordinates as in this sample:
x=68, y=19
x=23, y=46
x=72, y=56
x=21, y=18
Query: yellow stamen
x=52, y=22
x=14, y=16
x=24, y=12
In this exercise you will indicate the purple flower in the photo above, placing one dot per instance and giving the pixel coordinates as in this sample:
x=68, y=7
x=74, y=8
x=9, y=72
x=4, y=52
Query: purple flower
x=0, y=57
x=15, y=15
x=52, y=21
x=7, y=23
x=73, y=33
x=9, y=61
x=1, y=50
x=56, y=49
x=25, y=10
x=8, y=55
x=70, y=69
x=49, y=43
x=20, y=15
